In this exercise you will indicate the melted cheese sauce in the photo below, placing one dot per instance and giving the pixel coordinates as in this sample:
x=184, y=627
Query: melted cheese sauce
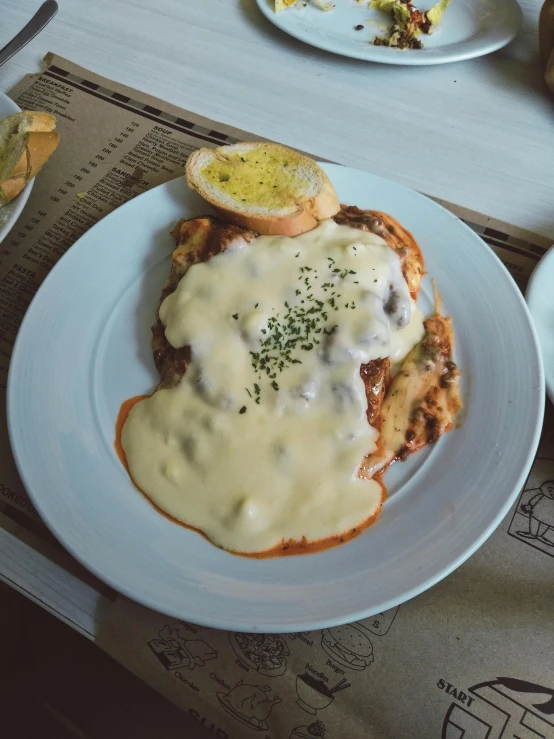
x=261, y=442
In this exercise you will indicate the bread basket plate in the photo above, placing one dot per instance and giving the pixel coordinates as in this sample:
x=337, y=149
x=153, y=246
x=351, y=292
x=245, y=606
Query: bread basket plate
x=469, y=29
x=10, y=213
x=84, y=347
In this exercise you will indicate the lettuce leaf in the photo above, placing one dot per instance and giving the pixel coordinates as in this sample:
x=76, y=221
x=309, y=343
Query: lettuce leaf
x=384, y=5
x=401, y=15
x=435, y=13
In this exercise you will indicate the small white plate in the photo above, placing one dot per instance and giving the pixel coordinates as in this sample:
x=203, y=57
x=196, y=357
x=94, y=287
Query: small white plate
x=84, y=347
x=540, y=299
x=11, y=212
x=469, y=28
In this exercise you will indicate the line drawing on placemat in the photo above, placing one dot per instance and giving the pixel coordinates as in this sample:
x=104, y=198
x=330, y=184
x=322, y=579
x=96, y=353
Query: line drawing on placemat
x=314, y=695
x=249, y=704
x=380, y=623
x=265, y=653
x=348, y=646
x=303, y=636
x=175, y=652
x=533, y=519
x=309, y=731
x=505, y=708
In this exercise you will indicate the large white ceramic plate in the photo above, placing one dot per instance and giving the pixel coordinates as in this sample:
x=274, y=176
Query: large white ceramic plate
x=541, y=304
x=469, y=28
x=10, y=213
x=84, y=347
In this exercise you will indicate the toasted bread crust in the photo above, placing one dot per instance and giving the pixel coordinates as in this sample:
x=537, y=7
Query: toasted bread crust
x=305, y=211
x=37, y=121
x=290, y=226
x=38, y=149
x=40, y=143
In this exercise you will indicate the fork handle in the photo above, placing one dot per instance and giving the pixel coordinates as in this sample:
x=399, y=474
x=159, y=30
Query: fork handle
x=41, y=18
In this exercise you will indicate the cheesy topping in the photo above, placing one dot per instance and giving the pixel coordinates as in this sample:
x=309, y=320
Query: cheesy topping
x=261, y=441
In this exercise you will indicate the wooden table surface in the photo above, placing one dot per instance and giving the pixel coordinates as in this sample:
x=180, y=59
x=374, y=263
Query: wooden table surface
x=477, y=133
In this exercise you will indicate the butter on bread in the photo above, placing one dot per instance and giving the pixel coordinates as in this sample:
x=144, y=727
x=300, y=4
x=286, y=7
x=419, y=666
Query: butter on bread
x=27, y=140
x=265, y=187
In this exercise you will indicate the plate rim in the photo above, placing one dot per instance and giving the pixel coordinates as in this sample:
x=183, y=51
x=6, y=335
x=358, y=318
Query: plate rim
x=400, y=58
x=312, y=624
x=545, y=263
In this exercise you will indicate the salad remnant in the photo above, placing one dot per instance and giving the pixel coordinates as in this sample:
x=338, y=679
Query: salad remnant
x=409, y=22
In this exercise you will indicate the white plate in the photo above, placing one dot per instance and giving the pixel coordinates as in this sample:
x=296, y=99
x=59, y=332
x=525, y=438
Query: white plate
x=541, y=305
x=469, y=28
x=84, y=347
x=11, y=212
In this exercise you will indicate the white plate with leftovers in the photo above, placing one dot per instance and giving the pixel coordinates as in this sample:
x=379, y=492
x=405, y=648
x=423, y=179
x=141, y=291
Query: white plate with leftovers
x=399, y=32
x=91, y=320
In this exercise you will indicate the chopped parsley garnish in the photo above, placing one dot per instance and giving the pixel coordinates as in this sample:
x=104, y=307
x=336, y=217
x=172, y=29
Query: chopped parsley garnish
x=296, y=327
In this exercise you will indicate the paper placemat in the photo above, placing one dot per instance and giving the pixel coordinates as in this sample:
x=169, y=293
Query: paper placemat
x=469, y=659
